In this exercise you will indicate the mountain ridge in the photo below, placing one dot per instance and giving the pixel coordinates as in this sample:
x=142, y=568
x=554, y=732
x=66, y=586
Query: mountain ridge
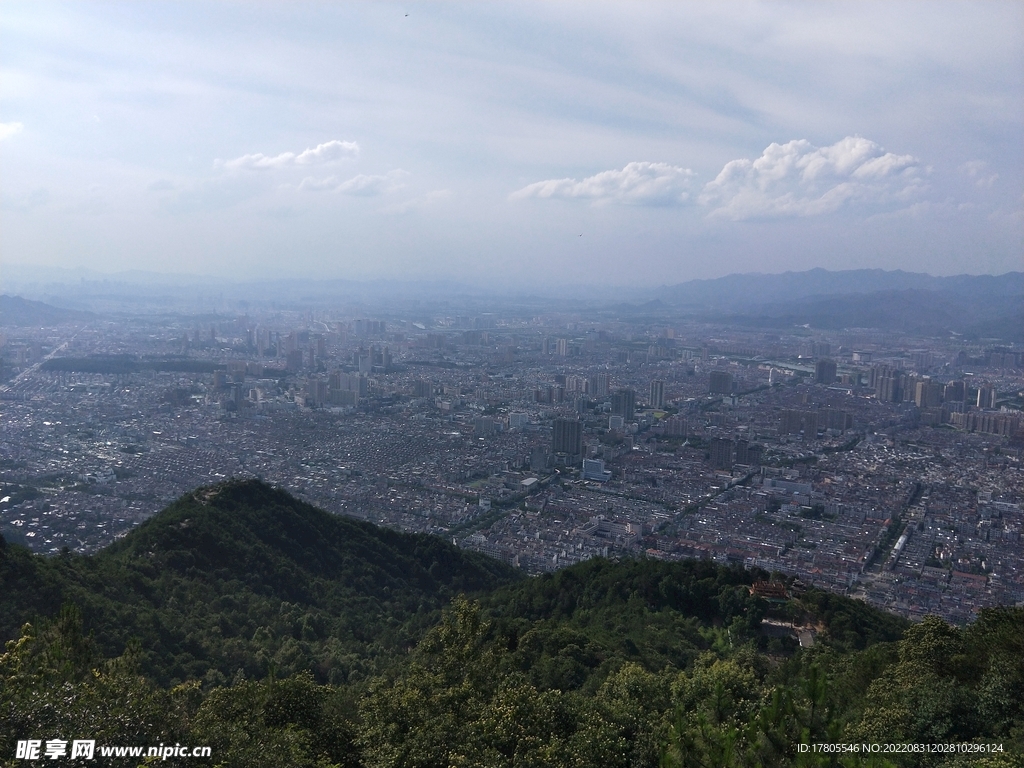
x=244, y=619
x=18, y=311
x=740, y=289
x=276, y=567
x=972, y=306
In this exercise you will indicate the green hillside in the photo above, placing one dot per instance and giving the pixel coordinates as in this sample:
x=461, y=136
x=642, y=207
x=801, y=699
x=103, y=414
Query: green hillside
x=245, y=577
x=570, y=628
x=276, y=634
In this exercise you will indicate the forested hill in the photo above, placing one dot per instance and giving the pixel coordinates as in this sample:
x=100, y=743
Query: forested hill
x=18, y=311
x=244, y=620
x=245, y=577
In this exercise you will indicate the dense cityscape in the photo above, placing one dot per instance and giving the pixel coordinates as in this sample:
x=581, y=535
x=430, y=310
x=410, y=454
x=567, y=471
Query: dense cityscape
x=869, y=463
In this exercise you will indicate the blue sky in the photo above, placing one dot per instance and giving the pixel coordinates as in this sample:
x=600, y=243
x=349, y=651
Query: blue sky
x=620, y=143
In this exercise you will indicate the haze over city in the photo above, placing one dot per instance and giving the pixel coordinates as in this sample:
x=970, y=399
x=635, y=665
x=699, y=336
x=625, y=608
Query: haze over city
x=512, y=145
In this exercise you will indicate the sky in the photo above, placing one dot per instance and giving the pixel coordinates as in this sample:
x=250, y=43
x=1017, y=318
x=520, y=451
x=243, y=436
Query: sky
x=517, y=144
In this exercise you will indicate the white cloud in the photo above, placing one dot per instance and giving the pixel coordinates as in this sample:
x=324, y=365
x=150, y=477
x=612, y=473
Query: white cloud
x=359, y=186
x=799, y=179
x=9, y=129
x=637, y=183
x=365, y=186
x=328, y=152
x=309, y=184
x=980, y=173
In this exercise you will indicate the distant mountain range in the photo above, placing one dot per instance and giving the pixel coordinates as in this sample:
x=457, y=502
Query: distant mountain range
x=971, y=305
x=755, y=289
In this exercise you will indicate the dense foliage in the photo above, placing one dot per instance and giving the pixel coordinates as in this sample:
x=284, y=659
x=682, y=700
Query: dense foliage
x=637, y=663
x=244, y=579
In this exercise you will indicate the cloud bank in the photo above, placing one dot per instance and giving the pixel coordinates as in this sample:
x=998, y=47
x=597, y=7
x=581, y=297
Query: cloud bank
x=799, y=179
x=359, y=186
x=637, y=183
x=322, y=154
x=788, y=180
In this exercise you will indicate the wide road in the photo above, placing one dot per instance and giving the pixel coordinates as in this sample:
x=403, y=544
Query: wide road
x=13, y=383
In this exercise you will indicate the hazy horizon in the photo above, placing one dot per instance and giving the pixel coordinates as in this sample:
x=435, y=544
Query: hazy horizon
x=599, y=145
x=146, y=291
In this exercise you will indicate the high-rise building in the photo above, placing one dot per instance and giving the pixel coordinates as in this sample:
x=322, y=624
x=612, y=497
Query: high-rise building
x=722, y=453
x=364, y=359
x=318, y=392
x=624, y=403
x=369, y=327
x=539, y=458
x=986, y=396
x=343, y=397
x=833, y=418
x=657, y=394
x=889, y=385
x=236, y=370
x=567, y=438
x=576, y=384
x=909, y=387
x=720, y=383
x=825, y=371
x=954, y=392
x=600, y=385
x=593, y=469
x=794, y=422
x=820, y=349
x=748, y=453
x=674, y=426
x=928, y=393
x=562, y=348
x=518, y=420
x=877, y=373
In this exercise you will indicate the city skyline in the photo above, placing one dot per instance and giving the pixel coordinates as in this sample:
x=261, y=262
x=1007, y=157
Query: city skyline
x=874, y=463
x=605, y=145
